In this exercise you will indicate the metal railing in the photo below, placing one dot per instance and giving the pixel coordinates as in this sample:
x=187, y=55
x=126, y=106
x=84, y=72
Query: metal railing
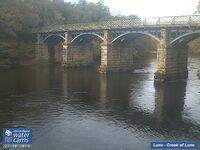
x=189, y=20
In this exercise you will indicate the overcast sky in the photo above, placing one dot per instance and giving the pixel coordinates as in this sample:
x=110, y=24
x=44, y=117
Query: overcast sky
x=150, y=8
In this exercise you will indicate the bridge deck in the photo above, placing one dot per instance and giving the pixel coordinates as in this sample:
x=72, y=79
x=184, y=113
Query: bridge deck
x=175, y=21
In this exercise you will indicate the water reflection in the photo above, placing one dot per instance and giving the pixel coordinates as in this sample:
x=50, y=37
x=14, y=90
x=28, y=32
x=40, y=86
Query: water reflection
x=96, y=111
x=169, y=104
x=103, y=91
x=115, y=96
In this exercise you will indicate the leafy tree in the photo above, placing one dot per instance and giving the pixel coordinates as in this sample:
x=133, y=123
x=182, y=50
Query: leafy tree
x=10, y=18
x=198, y=9
x=17, y=16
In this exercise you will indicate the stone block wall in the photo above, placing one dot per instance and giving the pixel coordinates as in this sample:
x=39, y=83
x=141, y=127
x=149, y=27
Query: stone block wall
x=78, y=55
x=115, y=58
x=41, y=52
x=172, y=64
x=58, y=53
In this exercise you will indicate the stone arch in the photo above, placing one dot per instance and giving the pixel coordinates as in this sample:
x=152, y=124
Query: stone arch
x=86, y=35
x=135, y=33
x=185, y=38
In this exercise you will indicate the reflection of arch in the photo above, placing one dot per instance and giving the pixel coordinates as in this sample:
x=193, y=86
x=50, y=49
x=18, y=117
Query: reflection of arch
x=136, y=33
x=86, y=35
x=54, y=36
x=185, y=38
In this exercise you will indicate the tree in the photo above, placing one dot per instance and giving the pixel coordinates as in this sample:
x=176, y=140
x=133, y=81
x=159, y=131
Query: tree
x=198, y=9
x=10, y=18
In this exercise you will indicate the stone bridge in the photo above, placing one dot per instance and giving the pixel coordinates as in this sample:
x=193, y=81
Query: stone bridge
x=171, y=34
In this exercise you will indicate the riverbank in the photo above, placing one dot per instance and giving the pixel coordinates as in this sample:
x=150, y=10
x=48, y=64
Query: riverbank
x=14, y=53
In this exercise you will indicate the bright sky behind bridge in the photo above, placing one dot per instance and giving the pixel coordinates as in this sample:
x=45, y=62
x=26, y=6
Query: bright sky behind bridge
x=150, y=8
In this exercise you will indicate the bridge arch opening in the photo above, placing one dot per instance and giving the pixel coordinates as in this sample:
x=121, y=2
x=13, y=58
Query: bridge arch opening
x=54, y=45
x=184, y=39
x=142, y=46
x=130, y=36
x=86, y=49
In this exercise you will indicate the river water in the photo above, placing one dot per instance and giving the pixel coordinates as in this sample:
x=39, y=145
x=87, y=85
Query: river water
x=80, y=109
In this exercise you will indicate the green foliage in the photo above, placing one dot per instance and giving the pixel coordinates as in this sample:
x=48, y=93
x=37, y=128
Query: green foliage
x=84, y=11
x=17, y=16
x=198, y=9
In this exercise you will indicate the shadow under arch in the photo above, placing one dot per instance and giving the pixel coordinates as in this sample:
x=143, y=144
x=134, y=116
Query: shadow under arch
x=184, y=39
x=54, y=38
x=85, y=50
x=86, y=37
x=135, y=47
x=54, y=44
x=132, y=35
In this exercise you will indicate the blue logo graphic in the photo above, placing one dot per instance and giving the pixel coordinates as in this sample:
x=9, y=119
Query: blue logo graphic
x=8, y=133
x=17, y=136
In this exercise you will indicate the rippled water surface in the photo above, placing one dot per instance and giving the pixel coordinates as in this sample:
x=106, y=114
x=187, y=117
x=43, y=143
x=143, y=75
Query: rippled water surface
x=80, y=109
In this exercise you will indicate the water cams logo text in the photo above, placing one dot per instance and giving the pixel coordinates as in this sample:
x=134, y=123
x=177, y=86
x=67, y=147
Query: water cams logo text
x=17, y=137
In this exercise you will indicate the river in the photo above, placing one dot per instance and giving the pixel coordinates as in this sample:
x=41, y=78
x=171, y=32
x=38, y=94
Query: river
x=80, y=109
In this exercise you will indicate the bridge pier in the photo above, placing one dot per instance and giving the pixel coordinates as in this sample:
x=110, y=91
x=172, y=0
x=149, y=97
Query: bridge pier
x=115, y=58
x=110, y=61
x=77, y=56
x=171, y=61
